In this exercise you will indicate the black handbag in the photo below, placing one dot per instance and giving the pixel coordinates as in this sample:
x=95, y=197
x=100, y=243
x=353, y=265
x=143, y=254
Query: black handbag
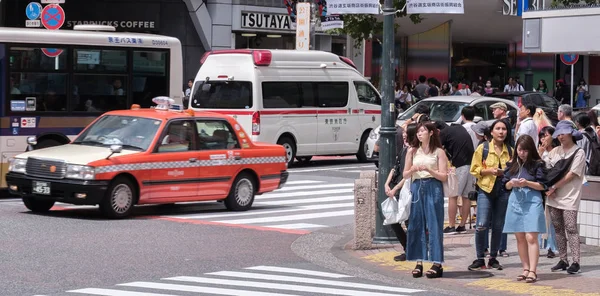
x=559, y=170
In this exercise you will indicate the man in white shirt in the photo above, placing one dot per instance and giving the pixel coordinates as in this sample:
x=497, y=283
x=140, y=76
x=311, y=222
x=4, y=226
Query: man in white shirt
x=513, y=86
x=468, y=114
x=526, y=125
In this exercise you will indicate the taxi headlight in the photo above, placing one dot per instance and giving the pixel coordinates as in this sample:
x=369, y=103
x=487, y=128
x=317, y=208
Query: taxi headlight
x=17, y=165
x=82, y=172
x=373, y=135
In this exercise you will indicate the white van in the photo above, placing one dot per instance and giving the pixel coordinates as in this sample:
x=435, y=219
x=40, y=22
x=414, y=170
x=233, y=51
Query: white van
x=311, y=102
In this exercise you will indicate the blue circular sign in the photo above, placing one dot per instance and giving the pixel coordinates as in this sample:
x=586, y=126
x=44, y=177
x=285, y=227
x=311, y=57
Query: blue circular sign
x=569, y=58
x=33, y=10
x=53, y=17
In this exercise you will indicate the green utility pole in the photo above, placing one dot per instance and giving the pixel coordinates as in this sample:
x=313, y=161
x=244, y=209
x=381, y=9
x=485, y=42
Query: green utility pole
x=387, y=147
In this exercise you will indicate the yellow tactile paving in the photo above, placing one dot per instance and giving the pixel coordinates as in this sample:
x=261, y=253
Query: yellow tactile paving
x=387, y=259
x=523, y=288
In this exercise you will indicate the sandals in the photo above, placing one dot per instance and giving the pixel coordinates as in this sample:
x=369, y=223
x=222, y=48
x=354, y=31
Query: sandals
x=418, y=271
x=531, y=279
x=523, y=277
x=436, y=271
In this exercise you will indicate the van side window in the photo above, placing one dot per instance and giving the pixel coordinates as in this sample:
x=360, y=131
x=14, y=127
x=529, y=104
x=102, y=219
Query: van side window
x=288, y=94
x=215, y=135
x=366, y=94
x=222, y=94
x=332, y=94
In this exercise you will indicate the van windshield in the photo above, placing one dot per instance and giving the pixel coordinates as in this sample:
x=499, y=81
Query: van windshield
x=222, y=95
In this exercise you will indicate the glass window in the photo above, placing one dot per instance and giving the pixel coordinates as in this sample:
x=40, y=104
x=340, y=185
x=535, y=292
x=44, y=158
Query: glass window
x=149, y=76
x=411, y=111
x=99, y=93
x=550, y=102
x=179, y=137
x=332, y=94
x=366, y=94
x=134, y=133
x=281, y=95
x=98, y=60
x=38, y=91
x=446, y=111
x=215, y=135
x=34, y=59
x=222, y=94
x=481, y=110
x=2, y=77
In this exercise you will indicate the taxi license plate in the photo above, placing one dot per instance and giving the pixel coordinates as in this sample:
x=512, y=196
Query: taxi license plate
x=42, y=188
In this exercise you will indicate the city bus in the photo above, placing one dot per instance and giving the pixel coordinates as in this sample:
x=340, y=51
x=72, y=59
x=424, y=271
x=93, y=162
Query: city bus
x=55, y=82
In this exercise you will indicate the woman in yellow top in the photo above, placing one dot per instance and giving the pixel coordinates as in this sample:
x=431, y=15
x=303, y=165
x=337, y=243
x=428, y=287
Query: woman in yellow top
x=427, y=166
x=492, y=200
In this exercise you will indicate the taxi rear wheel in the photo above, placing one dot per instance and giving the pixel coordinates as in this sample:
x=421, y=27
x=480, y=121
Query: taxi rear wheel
x=119, y=199
x=241, y=195
x=36, y=205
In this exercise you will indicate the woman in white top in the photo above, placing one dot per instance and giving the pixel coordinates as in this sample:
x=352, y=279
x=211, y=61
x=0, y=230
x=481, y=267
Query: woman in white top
x=403, y=98
x=427, y=166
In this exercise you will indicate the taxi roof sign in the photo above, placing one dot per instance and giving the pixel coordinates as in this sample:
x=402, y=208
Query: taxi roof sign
x=163, y=103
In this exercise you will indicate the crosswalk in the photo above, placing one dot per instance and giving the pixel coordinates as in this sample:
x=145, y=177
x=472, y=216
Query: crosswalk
x=252, y=281
x=299, y=205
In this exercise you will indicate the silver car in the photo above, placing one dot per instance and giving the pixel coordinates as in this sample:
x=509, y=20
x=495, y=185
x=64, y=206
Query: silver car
x=448, y=109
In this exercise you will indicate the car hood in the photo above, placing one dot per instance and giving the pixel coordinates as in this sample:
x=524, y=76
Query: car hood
x=74, y=153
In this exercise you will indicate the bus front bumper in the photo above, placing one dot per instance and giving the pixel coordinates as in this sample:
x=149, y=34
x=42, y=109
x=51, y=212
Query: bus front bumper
x=78, y=192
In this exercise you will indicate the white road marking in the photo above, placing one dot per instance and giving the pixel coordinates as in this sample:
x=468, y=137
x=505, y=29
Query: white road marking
x=288, y=218
x=299, y=271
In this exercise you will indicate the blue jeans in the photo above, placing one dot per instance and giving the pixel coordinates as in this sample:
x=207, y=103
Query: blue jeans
x=550, y=243
x=486, y=205
x=502, y=240
x=426, y=213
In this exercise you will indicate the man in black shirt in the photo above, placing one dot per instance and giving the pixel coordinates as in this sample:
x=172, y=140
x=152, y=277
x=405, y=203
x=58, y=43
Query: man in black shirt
x=459, y=147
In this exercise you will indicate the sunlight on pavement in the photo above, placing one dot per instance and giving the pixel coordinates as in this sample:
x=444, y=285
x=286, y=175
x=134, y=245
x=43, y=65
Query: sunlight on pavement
x=524, y=288
x=387, y=259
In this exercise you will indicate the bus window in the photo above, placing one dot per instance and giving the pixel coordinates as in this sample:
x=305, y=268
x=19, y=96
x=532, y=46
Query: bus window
x=149, y=76
x=100, y=60
x=2, y=67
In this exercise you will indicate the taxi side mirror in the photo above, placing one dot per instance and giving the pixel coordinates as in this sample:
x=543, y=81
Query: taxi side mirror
x=114, y=149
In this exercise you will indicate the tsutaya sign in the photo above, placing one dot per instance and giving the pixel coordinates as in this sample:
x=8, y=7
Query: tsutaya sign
x=516, y=7
x=267, y=21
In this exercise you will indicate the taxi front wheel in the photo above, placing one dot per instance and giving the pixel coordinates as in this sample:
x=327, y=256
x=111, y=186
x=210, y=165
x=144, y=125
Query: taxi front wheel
x=119, y=199
x=241, y=195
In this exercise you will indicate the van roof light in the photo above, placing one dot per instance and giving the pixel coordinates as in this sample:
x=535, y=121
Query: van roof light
x=348, y=61
x=163, y=103
x=260, y=57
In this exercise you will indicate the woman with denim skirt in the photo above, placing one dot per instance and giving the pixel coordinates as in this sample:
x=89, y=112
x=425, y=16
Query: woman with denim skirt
x=428, y=167
x=489, y=162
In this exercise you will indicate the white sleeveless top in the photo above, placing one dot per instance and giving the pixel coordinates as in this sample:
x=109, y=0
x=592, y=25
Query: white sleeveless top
x=429, y=160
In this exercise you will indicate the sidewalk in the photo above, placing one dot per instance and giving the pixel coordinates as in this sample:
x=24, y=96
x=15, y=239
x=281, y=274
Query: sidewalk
x=459, y=253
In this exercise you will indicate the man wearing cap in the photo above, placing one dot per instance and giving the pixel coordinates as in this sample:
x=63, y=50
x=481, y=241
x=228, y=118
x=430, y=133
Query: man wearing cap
x=499, y=110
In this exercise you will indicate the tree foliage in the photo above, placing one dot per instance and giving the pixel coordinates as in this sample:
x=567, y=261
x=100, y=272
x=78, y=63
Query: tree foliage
x=572, y=2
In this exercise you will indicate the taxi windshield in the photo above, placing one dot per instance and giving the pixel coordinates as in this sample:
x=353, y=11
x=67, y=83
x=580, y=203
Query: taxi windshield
x=134, y=133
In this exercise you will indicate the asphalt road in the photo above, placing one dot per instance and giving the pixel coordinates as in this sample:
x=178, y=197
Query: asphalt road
x=196, y=249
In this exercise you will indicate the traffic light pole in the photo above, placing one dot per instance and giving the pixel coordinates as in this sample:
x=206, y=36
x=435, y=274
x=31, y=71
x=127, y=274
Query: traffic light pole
x=387, y=146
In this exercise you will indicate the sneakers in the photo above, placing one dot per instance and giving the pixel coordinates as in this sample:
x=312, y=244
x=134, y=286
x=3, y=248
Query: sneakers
x=449, y=230
x=478, y=264
x=493, y=263
x=574, y=268
x=401, y=257
x=550, y=254
x=461, y=229
x=562, y=265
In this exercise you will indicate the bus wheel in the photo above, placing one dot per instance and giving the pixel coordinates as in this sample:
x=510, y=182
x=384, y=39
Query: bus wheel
x=36, y=205
x=362, y=148
x=241, y=194
x=47, y=143
x=290, y=149
x=119, y=199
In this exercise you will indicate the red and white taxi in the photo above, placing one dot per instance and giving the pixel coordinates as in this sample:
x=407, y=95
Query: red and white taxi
x=150, y=156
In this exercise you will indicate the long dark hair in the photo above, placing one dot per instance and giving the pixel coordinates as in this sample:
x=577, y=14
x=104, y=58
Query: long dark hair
x=434, y=141
x=533, y=157
x=548, y=130
x=506, y=139
x=411, y=134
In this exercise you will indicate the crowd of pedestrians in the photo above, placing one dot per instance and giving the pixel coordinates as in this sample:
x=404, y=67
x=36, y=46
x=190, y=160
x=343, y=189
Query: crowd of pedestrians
x=522, y=178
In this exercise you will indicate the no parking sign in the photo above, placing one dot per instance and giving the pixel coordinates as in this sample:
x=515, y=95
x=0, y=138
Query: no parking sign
x=53, y=17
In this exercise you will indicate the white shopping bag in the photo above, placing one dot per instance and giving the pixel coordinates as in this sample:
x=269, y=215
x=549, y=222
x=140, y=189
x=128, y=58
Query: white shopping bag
x=404, y=202
x=389, y=208
x=451, y=185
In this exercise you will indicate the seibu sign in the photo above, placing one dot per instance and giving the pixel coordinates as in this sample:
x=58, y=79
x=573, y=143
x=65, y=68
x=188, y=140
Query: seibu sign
x=149, y=25
x=257, y=20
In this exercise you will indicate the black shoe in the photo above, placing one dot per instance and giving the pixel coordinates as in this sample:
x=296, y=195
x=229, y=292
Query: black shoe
x=478, y=264
x=401, y=257
x=449, y=230
x=493, y=263
x=550, y=254
x=574, y=268
x=562, y=265
x=461, y=229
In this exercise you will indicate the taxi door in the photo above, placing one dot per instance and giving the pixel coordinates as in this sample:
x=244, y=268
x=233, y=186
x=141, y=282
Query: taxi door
x=220, y=156
x=175, y=164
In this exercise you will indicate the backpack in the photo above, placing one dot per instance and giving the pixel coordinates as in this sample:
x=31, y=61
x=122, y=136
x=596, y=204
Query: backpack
x=486, y=150
x=594, y=164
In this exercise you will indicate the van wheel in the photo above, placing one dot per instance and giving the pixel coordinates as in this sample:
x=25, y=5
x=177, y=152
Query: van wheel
x=119, y=199
x=304, y=159
x=36, y=205
x=362, y=148
x=290, y=149
x=241, y=194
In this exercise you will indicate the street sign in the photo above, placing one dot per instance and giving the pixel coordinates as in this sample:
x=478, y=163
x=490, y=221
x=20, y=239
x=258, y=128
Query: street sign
x=33, y=23
x=53, y=17
x=33, y=10
x=53, y=1
x=52, y=52
x=569, y=58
